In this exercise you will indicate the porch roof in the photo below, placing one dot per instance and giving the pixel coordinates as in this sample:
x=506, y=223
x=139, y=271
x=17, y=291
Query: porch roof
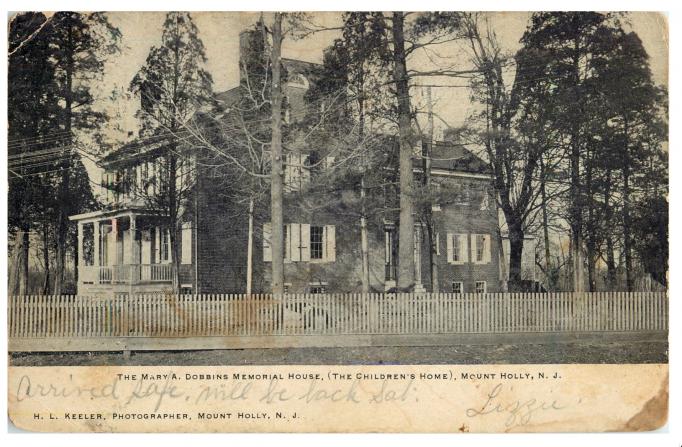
x=94, y=215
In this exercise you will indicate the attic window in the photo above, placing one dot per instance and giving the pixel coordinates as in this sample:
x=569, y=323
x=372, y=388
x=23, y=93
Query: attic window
x=298, y=80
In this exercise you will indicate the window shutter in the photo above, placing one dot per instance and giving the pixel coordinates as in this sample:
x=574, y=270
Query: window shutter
x=463, y=248
x=157, y=246
x=437, y=244
x=267, y=248
x=448, y=239
x=473, y=249
x=186, y=257
x=295, y=230
x=486, y=249
x=330, y=243
x=305, y=242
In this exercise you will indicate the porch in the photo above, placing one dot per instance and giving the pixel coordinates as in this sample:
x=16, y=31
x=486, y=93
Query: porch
x=129, y=247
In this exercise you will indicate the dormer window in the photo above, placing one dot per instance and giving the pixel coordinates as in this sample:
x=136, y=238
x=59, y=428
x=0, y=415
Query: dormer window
x=298, y=80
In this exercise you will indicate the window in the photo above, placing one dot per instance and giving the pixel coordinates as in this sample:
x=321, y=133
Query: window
x=457, y=248
x=457, y=287
x=390, y=254
x=480, y=287
x=485, y=205
x=298, y=80
x=318, y=287
x=287, y=287
x=313, y=164
x=316, y=242
x=480, y=248
x=89, y=244
x=303, y=243
x=165, y=245
x=296, y=171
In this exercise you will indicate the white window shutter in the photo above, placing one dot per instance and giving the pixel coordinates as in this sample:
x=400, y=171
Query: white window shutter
x=305, y=242
x=267, y=248
x=463, y=249
x=437, y=244
x=448, y=239
x=474, y=258
x=486, y=249
x=186, y=248
x=295, y=231
x=330, y=243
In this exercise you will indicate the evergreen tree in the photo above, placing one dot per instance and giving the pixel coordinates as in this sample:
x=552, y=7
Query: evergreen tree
x=172, y=85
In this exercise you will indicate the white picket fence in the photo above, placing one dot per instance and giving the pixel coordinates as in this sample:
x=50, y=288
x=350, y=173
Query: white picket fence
x=75, y=317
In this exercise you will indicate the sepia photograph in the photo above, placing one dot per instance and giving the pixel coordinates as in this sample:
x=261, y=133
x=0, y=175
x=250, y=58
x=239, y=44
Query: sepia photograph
x=195, y=189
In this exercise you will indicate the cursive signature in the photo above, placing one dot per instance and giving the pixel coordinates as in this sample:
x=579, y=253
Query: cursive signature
x=519, y=412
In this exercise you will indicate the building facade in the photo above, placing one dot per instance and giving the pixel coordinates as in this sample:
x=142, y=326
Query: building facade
x=125, y=248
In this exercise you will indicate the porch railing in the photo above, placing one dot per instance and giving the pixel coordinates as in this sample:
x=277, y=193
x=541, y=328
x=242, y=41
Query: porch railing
x=126, y=273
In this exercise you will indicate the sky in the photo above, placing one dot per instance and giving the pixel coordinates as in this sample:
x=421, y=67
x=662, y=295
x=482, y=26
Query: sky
x=219, y=32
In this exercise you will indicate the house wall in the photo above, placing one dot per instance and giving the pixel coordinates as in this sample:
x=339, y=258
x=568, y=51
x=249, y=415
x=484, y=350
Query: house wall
x=344, y=275
x=465, y=219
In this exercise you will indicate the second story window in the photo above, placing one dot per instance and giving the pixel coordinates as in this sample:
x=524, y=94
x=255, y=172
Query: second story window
x=480, y=248
x=457, y=248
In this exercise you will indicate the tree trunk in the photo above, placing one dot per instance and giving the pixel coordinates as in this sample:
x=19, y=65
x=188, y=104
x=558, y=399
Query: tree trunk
x=591, y=229
x=46, y=260
x=627, y=243
x=277, y=187
x=249, y=251
x=575, y=218
x=427, y=151
x=515, y=257
x=174, y=216
x=545, y=223
x=364, y=240
x=25, y=245
x=406, y=229
x=608, y=218
x=64, y=201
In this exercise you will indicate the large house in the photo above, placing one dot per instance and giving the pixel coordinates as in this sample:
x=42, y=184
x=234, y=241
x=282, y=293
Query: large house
x=125, y=247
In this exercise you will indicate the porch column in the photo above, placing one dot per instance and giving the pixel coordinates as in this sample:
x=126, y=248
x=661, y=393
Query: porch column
x=132, y=249
x=132, y=229
x=96, y=236
x=80, y=263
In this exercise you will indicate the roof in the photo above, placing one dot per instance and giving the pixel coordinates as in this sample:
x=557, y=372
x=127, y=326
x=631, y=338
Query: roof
x=455, y=157
x=136, y=149
x=228, y=97
x=298, y=65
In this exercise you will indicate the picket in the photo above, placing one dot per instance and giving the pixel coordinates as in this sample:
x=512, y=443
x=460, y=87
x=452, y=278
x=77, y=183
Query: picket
x=330, y=314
